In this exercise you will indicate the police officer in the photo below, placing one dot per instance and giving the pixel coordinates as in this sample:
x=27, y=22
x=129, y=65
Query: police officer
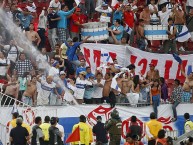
x=188, y=126
x=114, y=126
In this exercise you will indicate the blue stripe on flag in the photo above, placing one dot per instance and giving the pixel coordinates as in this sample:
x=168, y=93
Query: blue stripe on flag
x=107, y=60
x=183, y=34
x=189, y=69
x=155, y=32
x=116, y=88
x=104, y=54
x=99, y=33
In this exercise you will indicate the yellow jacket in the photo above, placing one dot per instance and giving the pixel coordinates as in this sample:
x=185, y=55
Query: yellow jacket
x=45, y=129
x=90, y=134
x=84, y=133
x=154, y=126
x=27, y=127
x=13, y=125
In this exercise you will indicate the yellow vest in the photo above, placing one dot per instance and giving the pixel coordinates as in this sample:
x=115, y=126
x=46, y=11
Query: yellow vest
x=27, y=127
x=90, y=134
x=45, y=129
x=154, y=127
x=189, y=123
x=13, y=123
x=84, y=133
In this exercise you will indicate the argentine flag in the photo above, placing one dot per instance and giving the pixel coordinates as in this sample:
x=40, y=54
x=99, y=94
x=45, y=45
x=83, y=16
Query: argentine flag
x=114, y=84
x=128, y=29
x=105, y=57
x=184, y=35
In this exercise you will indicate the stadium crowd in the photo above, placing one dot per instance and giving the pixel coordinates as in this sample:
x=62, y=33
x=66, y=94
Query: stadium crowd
x=30, y=79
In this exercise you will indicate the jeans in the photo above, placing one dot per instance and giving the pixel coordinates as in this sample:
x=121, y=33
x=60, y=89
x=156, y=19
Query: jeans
x=141, y=43
x=75, y=63
x=156, y=101
x=176, y=103
x=27, y=100
x=52, y=35
x=41, y=33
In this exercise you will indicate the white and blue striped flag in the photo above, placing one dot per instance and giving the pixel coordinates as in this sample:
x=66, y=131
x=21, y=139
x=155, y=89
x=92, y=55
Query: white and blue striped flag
x=114, y=84
x=184, y=35
x=77, y=2
x=128, y=29
x=105, y=57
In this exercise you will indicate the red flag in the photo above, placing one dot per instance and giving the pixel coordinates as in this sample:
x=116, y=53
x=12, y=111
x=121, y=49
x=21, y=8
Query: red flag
x=74, y=136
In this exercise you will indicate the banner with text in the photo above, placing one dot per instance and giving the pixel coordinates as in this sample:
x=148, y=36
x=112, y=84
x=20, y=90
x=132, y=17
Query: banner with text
x=168, y=67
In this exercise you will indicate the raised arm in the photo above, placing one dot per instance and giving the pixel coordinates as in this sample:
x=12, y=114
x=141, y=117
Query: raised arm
x=182, y=71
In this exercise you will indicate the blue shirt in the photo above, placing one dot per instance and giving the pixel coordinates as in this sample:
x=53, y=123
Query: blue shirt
x=71, y=51
x=79, y=69
x=119, y=28
x=62, y=23
x=25, y=20
x=117, y=15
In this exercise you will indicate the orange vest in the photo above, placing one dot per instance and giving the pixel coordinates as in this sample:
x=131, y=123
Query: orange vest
x=162, y=141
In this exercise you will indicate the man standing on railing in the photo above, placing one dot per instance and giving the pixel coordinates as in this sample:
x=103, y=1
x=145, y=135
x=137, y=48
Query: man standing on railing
x=176, y=97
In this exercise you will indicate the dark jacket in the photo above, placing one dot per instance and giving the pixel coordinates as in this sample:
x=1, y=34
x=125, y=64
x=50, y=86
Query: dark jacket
x=100, y=132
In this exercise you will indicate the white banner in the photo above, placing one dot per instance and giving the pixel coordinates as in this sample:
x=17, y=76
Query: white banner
x=168, y=67
x=69, y=115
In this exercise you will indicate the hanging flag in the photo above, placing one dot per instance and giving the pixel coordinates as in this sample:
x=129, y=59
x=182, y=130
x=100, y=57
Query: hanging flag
x=114, y=84
x=189, y=69
x=177, y=58
x=184, y=35
x=74, y=136
x=77, y=2
x=105, y=57
x=128, y=29
x=14, y=109
x=114, y=2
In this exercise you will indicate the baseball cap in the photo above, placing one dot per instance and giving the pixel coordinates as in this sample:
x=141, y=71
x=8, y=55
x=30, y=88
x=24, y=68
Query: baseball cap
x=69, y=40
x=151, y=64
x=62, y=73
x=104, y=4
x=78, y=9
x=53, y=120
x=83, y=73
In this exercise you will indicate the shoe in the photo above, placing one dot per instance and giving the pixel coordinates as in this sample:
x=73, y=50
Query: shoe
x=181, y=48
x=173, y=119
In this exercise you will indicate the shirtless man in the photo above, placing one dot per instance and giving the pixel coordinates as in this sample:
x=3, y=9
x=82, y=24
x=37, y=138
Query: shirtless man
x=145, y=15
x=107, y=87
x=187, y=87
x=29, y=95
x=153, y=73
x=12, y=90
x=141, y=39
x=33, y=36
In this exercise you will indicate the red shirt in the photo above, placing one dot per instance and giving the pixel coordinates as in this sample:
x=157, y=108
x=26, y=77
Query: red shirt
x=81, y=19
x=129, y=18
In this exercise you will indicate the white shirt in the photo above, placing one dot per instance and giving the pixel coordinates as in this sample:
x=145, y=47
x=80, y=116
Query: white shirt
x=61, y=129
x=164, y=16
x=55, y=5
x=151, y=7
x=42, y=20
x=42, y=60
x=98, y=91
x=54, y=71
x=189, y=3
x=80, y=88
x=162, y=1
x=44, y=92
x=12, y=54
x=4, y=68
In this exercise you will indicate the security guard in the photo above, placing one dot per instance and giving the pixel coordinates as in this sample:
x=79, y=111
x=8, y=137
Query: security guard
x=188, y=126
x=84, y=131
x=152, y=128
x=45, y=129
x=114, y=126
